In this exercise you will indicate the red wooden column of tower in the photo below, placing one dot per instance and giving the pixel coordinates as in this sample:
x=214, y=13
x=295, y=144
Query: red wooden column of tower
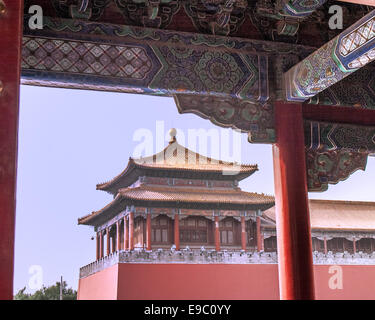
x=101, y=247
x=260, y=246
x=97, y=245
x=11, y=14
x=296, y=278
x=354, y=246
x=113, y=242
x=243, y=233
x=131, y=230
x=118, y=239
x=148, y=231
x=325, y=245
x=108, y=242
x=217, y=234
x=177, y=231
x=126, y=234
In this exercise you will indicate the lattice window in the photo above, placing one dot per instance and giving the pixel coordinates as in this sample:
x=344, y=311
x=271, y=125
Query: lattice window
x=340, y=245
x=159, y=230
x=251, y=234
x=317, y=245
x=139, y=231
x=365, y=245
x=270, y=244
x=227, y=231
x=194, y=230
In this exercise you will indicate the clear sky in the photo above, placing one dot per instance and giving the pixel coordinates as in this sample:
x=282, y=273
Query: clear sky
x=70, y=140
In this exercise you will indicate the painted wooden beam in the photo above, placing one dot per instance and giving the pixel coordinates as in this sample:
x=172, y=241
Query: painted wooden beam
x=298, y=8
x=10, y=53
x=340, y=57
x=89, y=55
x=354, y=116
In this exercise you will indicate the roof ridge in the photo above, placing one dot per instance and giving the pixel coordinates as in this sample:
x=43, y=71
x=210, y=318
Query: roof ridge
x=175, y=143
x=200, y=163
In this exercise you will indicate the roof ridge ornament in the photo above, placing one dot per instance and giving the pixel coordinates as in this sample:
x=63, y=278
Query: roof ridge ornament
x=172, y=132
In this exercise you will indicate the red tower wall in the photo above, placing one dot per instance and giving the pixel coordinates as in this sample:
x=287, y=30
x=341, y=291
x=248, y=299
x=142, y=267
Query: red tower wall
x=216, y=281
x=99, y=286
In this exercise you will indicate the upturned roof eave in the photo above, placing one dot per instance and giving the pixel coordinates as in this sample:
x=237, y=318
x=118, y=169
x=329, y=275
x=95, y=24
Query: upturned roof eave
x=109, y=185
x=120, y=182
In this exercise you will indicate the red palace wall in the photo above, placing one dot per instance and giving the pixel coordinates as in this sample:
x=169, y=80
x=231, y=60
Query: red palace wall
x=217, y=281
x=99, y=286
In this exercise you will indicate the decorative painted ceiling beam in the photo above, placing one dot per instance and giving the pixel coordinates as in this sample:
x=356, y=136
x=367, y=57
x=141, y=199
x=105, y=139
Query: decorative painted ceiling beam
x=89, y=55
x=340, y=57
x=335, y=136
x=357, y=90
x=298, y=8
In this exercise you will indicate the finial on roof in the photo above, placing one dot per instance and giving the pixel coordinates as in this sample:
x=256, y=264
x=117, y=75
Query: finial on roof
x=172, y=133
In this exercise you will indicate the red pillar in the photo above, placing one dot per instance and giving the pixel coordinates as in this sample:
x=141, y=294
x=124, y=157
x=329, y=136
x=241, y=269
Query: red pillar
x=126, y=234
x=148, y=231
x=243, y=233
x=101, y=247
x=325, y=245
x=260, y=244
x=113, y=246
x=108, y=242
x=131, y=230
x=10, y=58
x=177, y=231
x=217, y=234
x=97, y=245
x=354, y=246
x=296, y=278
x=118, y=241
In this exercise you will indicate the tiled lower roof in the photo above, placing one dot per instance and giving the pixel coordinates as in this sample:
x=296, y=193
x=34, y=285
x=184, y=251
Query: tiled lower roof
x=232, y=196
x=182, y=195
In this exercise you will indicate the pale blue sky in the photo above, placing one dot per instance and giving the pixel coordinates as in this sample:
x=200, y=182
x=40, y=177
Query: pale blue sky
x=70, y=140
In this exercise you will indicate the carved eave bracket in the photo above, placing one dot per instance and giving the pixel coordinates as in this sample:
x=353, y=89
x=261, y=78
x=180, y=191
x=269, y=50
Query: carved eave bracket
x=297, y=8
x=80, y=9
x=335, y=151
x=331, y=167
x=148, y=13
x=254, y=118
x=222, y=17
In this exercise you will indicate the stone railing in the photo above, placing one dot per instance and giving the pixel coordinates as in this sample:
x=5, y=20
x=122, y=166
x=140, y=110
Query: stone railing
x=99, y=265
x=342, y=258
x=202, y=256
x=198, y=257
